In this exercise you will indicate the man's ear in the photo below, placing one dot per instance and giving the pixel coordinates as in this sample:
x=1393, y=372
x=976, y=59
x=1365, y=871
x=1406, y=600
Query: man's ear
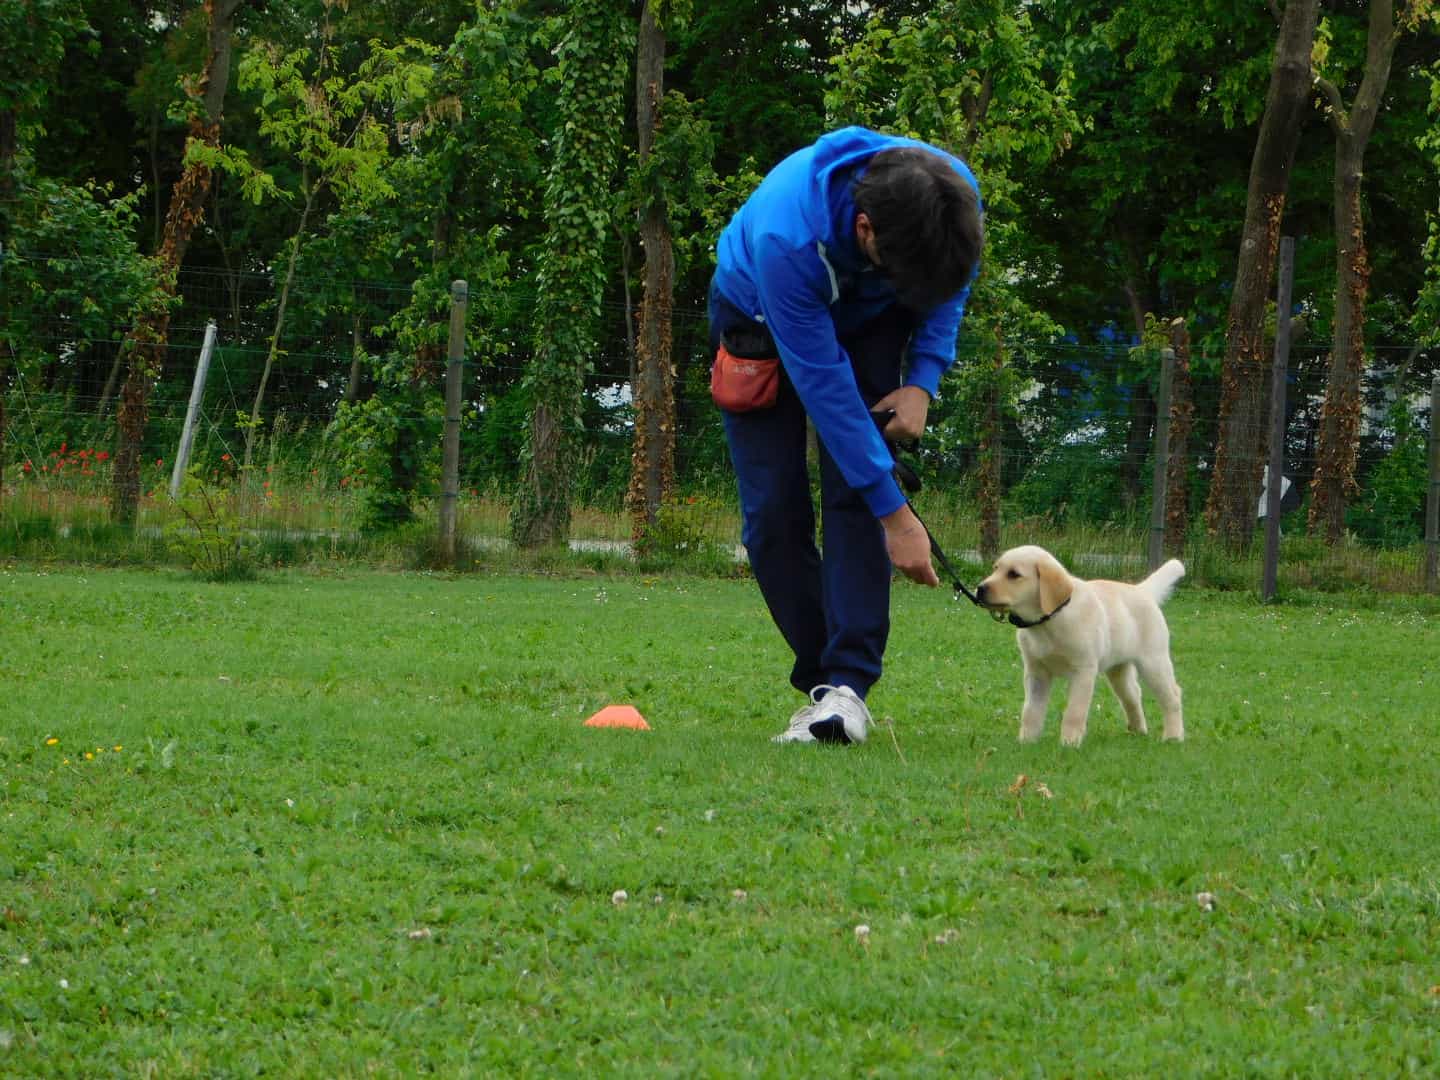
x=1055, y=584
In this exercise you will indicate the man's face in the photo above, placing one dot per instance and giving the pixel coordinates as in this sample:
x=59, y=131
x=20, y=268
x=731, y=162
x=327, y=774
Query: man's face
x=865, y=237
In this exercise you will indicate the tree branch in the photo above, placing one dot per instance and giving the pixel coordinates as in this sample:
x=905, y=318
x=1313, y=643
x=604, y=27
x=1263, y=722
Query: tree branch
x=1335, y=115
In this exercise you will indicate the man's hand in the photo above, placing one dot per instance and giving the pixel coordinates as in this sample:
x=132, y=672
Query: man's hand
x=909, y=545
x=911, y=405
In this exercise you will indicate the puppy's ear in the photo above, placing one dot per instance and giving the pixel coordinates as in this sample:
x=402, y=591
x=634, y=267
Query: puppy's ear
x=1055, y=584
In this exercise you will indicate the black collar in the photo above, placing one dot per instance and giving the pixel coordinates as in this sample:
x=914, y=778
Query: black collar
x=1016, y=620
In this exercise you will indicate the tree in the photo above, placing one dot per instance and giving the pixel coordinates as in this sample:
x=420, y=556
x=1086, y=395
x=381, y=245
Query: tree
x=1240, y=452
x=652, y=463
x=1426, y=320
x=147, y=342
x=35, y=33
x=1333, y=483
x=591, y=77
x=334, y=125
x=467, y=176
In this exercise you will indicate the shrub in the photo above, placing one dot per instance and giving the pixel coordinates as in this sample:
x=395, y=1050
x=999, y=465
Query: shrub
x=208, y=536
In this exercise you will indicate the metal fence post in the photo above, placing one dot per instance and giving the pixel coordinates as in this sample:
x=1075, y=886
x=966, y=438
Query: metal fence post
x=1274, y=487
x=1162, y=459
x=197, y=395
x=450, y=464
x=1432, y=504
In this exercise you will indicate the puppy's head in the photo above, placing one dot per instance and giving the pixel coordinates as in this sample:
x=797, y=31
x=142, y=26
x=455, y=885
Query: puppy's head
x=1028, y=581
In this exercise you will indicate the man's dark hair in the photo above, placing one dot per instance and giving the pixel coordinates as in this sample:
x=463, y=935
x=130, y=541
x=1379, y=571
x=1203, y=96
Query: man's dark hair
x=927, y=224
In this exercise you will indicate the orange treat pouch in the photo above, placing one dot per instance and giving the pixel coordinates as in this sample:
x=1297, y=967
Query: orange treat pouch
x=742, y=383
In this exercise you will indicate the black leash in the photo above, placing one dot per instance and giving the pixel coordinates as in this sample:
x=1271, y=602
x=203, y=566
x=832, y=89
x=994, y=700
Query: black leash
x=909, y=481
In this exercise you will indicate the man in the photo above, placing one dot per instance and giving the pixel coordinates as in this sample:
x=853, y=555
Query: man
x=853, y=255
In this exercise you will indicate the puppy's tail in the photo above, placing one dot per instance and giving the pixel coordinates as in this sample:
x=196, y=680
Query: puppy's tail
x=1162, y=582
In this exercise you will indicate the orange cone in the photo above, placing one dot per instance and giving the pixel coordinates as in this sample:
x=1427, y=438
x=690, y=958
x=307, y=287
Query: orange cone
x=619, y=716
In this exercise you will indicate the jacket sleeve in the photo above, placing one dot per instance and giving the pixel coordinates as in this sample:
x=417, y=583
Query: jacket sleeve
x=932, y=345
x=798, y=315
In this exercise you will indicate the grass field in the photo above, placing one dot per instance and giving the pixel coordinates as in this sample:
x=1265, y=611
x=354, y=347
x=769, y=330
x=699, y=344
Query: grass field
x=329, y=825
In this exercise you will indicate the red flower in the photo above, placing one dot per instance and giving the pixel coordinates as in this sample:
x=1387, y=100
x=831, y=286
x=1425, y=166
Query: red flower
x=26, y=466
x=103, y=455
x=224, y=457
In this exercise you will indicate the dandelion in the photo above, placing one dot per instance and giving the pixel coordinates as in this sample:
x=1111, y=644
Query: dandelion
x=89, y=756
x=862, y=934
x=118, y=748
x=52, y=741
x=619, y=896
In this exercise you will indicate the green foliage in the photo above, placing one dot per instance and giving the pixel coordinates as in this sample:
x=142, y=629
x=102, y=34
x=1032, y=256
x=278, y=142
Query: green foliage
x=680, y=176
x=72, y=271
x=35, y=33
x=684, y=532
x=208, y=535
x=389, y=443
x=1391, y=509
x=1077, y=484
x=1426, y=320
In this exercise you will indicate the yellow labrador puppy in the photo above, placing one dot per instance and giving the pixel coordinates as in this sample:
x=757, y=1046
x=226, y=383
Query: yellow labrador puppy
x=1074, y=629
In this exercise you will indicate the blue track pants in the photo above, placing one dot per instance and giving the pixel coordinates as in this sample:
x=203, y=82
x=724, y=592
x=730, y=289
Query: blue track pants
x=833, y=608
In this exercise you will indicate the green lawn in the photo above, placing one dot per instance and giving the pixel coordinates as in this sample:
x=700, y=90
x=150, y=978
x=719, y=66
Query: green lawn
x=333, y=825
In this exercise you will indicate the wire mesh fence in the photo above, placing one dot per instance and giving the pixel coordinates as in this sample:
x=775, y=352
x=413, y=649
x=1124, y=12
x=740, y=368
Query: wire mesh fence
x=1075, y=445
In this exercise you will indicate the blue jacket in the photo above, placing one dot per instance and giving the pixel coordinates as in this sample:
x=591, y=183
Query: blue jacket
x=789, y=259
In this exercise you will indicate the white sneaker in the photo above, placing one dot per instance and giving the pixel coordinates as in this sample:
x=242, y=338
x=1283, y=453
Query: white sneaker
x=835, y=714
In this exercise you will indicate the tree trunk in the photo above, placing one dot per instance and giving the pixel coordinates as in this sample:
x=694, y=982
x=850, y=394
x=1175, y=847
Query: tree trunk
x=1182, y=421
x=352, y=387
x=629, y=305
x=1139, y=430
x=254, y=424
x=9, y=147
x=146, y=345
x=1334, y=480
x=110, y=381
x=549, y=520
x=1240, y=453
x=652, y=460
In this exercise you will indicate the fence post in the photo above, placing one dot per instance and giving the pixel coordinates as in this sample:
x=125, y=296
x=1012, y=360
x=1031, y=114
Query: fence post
x=197, y=395
x=450, y=464
x=1162, y=459
x=1275, y=481
x=1432, y=504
